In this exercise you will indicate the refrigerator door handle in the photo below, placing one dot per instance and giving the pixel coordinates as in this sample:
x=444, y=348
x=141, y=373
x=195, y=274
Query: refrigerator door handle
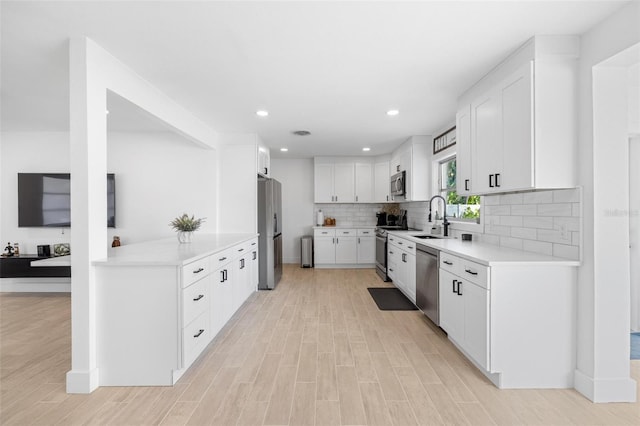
x=275, y=223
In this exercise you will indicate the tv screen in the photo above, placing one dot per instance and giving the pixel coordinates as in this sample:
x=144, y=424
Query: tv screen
x=44, y=199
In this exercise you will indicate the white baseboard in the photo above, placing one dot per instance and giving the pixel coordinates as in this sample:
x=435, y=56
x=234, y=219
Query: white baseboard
x=82, y=381
x=35, y=285
x=606, y=390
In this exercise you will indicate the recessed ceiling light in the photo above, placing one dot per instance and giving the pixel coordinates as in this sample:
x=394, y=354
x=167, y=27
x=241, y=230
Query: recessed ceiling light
x=393, y=112
x=262, y=113
x=366, y=149
x=107, y=112
x=284, y=149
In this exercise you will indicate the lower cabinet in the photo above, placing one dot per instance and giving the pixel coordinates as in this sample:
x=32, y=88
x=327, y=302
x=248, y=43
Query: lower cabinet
x=344, y=247
x=401, y=265
x=154, y=320
x=515, y=322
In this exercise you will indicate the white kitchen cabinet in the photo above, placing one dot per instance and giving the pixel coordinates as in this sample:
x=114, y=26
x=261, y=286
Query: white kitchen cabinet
x=344, y=247
x=403, y=254
x=521, y=121
x=412, y=157
x=157, y=315
x=324, y=251
x=366, y=246
x=463, y=151
x=334, y=182
x=381, y=183
x=363, y=182
x=451, y=306
x=264, y=161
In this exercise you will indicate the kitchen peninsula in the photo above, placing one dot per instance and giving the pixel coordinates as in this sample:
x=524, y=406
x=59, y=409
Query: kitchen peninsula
x=161, y=303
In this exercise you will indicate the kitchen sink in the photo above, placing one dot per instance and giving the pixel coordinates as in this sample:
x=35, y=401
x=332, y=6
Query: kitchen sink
x=428, y=237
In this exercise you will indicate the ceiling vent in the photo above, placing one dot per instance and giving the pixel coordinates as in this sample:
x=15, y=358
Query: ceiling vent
x=301, y=132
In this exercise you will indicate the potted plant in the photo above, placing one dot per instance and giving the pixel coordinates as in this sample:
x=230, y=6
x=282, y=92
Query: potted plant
x=185, y=226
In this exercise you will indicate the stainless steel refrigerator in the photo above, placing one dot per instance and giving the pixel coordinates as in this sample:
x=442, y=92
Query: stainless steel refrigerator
x=270, y=229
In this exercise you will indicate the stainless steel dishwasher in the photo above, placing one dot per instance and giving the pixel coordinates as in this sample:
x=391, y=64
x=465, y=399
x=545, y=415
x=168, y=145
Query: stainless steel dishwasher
x=427, y=264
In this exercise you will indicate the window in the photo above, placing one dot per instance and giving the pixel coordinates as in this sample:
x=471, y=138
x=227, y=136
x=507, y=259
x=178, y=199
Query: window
x=458, y=207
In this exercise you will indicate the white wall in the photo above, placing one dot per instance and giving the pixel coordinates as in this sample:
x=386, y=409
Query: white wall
x=151, y=173
x=602, y=372
x=29, y=153
x=296, y=176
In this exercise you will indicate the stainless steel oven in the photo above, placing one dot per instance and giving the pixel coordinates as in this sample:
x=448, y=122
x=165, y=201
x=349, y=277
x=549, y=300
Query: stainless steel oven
x=381, y=254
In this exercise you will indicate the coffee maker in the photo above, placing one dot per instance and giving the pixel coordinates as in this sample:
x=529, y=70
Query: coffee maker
x=382, y=219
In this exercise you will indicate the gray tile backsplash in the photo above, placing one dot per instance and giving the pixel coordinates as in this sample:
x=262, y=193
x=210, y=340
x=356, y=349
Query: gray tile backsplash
x=547, y=222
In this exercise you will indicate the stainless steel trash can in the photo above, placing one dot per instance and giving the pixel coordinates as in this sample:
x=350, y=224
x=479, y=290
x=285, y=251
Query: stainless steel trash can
x=306, y=252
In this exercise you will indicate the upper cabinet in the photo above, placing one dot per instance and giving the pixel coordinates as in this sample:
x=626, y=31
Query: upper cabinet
x=412, y=157
x=350, y=180
x=264, y=161
x=517, y=126
x=334, y=182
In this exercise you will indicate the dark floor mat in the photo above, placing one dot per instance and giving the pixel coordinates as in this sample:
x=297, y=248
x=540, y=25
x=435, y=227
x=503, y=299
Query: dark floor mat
x=390, y=299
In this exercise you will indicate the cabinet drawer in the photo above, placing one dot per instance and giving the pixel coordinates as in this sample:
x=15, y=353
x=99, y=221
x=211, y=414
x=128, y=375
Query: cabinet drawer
x=195, y=338
x=405, y=245
x=346, y=232
x=324, y=232
x=450, y=263
x=220, y=259
x=193, y=271
x=195, y=300
x=366, y=232
x=474, y=272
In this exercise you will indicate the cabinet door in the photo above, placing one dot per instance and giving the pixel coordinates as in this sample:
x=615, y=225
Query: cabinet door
x=344, y=182
x=451, y=307
x=364, y=182
x=381, y=182
x=346, y=250
x=463, y=151
x=476, y=322
x=409, y=275
x=517, y=130
x=238, y=284
x=323, y=183
x=486, y=131
x=255, y=271
x=221, y=298
x=392, y=262
x=367, y=249
x=324, y=250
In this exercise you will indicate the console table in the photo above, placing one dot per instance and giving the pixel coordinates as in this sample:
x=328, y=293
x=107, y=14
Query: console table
x=20, y=267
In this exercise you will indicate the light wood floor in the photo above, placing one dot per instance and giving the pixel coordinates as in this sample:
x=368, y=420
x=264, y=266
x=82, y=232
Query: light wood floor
x=314, y=351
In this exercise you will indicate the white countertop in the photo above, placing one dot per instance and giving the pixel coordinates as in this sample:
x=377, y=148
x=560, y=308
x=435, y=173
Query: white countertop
x=169, y=252
x=486, y=254
x=53, y=261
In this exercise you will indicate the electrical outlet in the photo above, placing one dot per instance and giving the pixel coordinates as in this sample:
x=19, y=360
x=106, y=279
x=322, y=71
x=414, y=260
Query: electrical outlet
x=564, y=233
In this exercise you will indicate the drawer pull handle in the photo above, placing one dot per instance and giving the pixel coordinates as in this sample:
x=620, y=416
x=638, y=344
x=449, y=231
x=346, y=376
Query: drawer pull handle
x=459, y=288
x=400, y=242
x=200, y=296
x=222, y=259
x=390, y=252
x=390, y=269
x=199, y=333
x=255, y=255
x=469, y=271
x=197, y=271
x=253, y=244
x=453, y=288
x=241, y=249
x=409, y=247
x=446, y=262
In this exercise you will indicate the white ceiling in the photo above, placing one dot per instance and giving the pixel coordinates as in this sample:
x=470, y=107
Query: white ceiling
x=333, y=68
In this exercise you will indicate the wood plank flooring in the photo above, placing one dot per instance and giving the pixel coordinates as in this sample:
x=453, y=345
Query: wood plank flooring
x=314, y=351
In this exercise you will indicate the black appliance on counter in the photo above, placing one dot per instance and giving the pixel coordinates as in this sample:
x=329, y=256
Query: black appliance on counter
x=382, y=218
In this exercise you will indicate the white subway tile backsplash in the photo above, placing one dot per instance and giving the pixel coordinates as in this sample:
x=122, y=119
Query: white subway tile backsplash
x=575, y=239
x=538, y=222
x=559, y=209
x=566, y=223
x=566, y=251
x=524, y=210
x=490, y=239
x=554, y=236
x=498, y=230
x=490, y=200
x=537, y=197
x=576, y=210
x=515, y=198
x=511, y=220
x=566, y=195
x=515, y=243
x=537, y=247
x=524, y=233
x=498, y=210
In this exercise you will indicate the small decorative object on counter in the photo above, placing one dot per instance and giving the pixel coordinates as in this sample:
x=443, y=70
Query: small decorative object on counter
x=329, y=221
x=320, y=219
x=116, y=241
x=185, y=226
x=62, y=249
x=16, y=249
x=8, y=250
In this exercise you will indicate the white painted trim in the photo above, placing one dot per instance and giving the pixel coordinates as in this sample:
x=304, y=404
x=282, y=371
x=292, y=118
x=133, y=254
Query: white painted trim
x=35, y=285
x=605, y=390
x=82, y=381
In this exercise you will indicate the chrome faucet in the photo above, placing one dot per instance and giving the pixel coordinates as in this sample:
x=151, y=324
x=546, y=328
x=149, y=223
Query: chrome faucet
x=445, y=222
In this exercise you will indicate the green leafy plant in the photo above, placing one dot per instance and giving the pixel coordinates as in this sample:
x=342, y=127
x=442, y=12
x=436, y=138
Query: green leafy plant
x=185, y=223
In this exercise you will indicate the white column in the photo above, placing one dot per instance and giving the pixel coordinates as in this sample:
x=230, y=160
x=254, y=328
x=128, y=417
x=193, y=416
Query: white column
x=88, y=209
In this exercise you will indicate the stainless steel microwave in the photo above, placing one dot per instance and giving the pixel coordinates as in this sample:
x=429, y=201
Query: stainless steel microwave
x=398, y=184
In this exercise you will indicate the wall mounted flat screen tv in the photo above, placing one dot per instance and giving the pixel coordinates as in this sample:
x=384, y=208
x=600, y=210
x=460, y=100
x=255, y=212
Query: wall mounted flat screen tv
x=44, y=199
